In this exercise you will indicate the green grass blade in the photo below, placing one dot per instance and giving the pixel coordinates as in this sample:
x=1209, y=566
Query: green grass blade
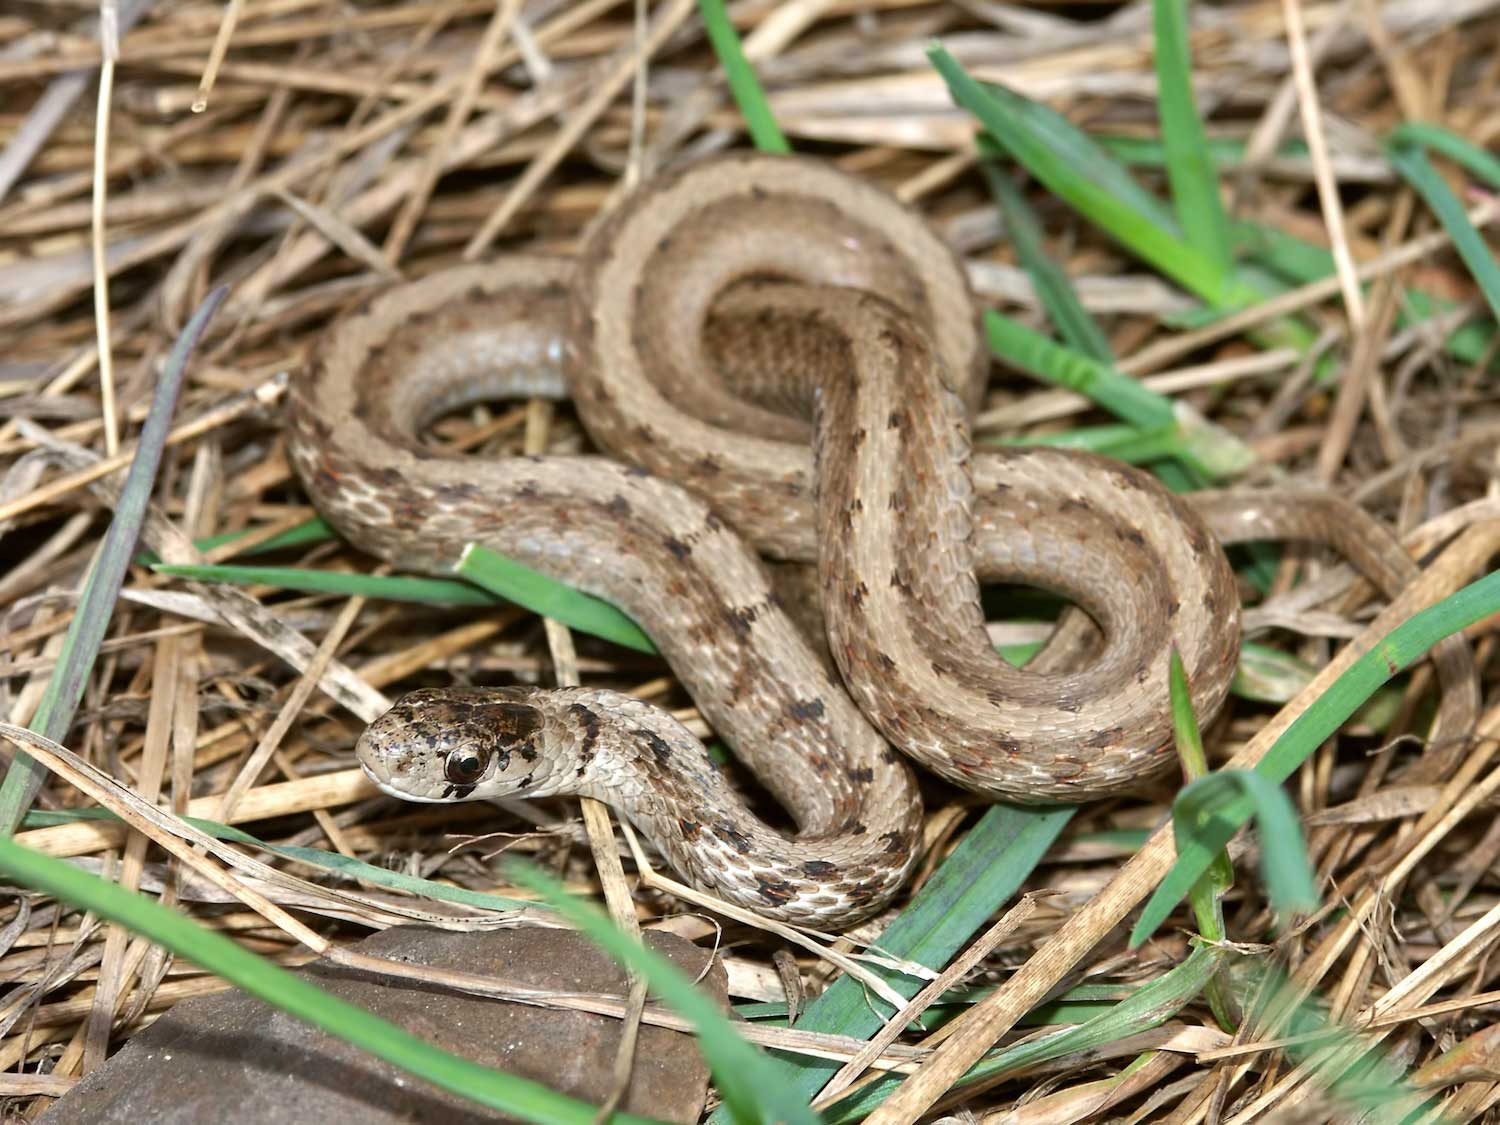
x=540, y=594
x=1473, y=159
x=291, y=993
x=1049, y=361
x=748, y=95
x=1190, y=166
x=1077, y=328
x=101, y=588
x=986, y=868
x=1149, y=1006
x=395, y=588
x=335, y=862
x=1418, y=171
x=309, y=531
x=1079, y=152
x=1401, y=648
x=743, y=1075
x=1168, y=253
x=1202, y=446
x=1284, y=864
x=1302, y=262
x=1122, y=442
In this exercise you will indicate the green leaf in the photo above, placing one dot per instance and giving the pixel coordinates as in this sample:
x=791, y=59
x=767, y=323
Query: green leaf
x=1171, y=255
x=1078, y=152
x=1302, y=262
x=386, y=587
x=748, y=95
x=291, y=993
x=986, y=868
x=1418, y=171
x=1203, y=447
x=1149, y=1006
x=1190, y=166
x=744, y=1077
x=335, y=862
x=101, y=588
x=313, y=530
x=520, y=584
x=1073, y=323
x=1479, y=163
x=1402, y=647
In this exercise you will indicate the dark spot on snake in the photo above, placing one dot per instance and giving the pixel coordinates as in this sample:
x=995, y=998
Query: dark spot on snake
x=689, y=828
x=528, y=752
x=680, y=550
x=899, y=583
x=757, y=192
x=894, y=842
x=847, y=519
x=858, y=595
x=898, y=420
x=861, y=775
x=476, y=293
x=805, y=710
x=528, y=489
x=856, y=505
x=1107, y=737
x=857, y=438
x=618, y=506
x=776, y=892
x=659, y=746
x=524, y=782
x=863, y=892
x=1067, y=703
x=740, y=620
x=737, y=840
x=858, y=829
x=885, y=662
x=943, y=668
x=817, y=868
x=1131, y=535
x=1172, y=607
x=712, y=522
x=708, y=465
x=456, y=792
x=1075, y=504
x=636, y=471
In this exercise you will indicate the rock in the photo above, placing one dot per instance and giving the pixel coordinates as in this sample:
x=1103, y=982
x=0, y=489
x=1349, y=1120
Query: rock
x=230, y=1057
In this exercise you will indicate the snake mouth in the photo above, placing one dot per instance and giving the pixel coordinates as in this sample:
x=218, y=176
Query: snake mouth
x=403, y=794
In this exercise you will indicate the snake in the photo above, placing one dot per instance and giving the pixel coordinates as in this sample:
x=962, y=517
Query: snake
x=778, y=363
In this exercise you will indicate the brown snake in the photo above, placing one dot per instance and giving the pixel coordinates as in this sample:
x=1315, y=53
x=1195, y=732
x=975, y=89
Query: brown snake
x=799, y=351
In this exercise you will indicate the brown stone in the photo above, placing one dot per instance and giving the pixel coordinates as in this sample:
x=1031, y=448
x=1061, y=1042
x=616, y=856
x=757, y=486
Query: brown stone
x=230, y=1057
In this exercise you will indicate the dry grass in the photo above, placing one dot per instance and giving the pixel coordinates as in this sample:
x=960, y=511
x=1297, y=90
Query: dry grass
x=344, y=145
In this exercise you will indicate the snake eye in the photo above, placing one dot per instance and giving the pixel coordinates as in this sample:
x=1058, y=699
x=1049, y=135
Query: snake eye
x=463, y=767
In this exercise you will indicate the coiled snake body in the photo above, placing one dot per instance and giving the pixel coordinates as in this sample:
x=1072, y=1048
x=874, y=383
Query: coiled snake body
x=798, y=351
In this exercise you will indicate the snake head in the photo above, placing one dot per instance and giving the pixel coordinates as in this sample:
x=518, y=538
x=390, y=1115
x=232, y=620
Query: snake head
x=454, y=744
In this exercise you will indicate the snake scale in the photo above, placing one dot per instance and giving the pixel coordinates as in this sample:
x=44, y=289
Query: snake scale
x=779, y=359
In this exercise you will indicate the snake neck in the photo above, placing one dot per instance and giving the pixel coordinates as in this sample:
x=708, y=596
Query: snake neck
x=652, y=770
